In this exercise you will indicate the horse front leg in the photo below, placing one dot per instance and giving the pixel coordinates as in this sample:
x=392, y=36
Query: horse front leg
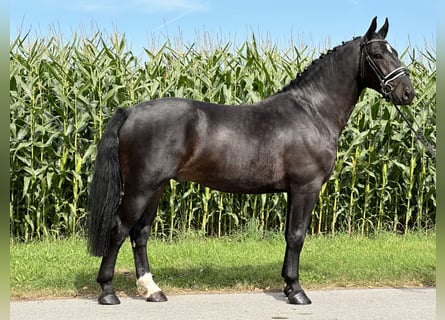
x=298, y=218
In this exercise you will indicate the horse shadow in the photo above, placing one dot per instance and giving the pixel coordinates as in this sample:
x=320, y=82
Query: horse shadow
x=200, y=278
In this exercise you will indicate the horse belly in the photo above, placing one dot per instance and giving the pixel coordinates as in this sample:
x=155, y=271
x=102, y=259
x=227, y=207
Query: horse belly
x=236, y=170
x=234, y=184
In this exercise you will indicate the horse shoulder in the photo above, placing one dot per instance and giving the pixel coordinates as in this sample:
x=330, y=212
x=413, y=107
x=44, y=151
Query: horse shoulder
x=310, y=156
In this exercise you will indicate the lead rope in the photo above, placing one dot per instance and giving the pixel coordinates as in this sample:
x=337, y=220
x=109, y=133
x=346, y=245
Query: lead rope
x=419, y=134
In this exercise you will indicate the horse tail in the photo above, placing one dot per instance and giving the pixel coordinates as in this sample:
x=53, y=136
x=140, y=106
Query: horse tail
x=104, y=195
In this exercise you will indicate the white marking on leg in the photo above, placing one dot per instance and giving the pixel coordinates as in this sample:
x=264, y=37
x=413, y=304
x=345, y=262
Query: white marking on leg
x=148, y=285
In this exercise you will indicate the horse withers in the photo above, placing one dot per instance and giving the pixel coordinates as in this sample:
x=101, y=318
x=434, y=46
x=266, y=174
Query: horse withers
x=284, y=143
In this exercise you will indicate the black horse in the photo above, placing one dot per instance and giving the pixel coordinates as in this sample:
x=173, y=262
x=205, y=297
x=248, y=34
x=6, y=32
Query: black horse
x=285, y=143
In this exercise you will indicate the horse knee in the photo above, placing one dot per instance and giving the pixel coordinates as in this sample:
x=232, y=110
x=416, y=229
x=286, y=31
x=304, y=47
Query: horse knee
x=295, y=239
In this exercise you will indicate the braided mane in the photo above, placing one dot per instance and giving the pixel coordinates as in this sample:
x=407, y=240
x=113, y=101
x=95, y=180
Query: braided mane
x=293, y=83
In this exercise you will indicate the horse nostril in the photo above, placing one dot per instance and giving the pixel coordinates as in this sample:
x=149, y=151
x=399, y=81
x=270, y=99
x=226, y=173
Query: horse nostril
x=407, y=94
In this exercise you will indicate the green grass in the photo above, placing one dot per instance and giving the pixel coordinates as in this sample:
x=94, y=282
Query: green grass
x=239, y=263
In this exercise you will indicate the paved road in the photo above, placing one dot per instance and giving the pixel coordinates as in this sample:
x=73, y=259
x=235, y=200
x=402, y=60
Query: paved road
x=370, y=304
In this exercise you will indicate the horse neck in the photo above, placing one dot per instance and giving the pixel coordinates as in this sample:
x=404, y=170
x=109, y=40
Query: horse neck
x=330, y=85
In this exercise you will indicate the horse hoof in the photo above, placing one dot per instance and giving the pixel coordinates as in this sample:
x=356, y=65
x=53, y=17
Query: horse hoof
x=287, y=290
x=157, y=297
x=109, y=299
x=299, y=298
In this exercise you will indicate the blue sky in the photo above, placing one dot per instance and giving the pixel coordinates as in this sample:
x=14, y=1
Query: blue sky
x=318, y=23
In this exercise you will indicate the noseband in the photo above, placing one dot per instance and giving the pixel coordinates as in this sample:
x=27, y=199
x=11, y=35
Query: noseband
x=385, y=81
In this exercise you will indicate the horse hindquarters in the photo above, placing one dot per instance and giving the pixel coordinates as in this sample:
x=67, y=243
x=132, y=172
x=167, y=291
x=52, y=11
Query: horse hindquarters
x=110, y=220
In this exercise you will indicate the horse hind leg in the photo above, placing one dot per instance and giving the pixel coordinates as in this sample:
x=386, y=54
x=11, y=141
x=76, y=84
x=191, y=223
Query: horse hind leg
x=139, y=236
x=106, y=270
x=131, y=209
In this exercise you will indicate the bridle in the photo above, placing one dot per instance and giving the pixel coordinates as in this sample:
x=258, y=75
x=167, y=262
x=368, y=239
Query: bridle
x=384, y=80
x=385, y=83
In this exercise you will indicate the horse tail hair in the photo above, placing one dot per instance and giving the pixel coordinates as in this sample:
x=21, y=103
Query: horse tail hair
x=105, y=189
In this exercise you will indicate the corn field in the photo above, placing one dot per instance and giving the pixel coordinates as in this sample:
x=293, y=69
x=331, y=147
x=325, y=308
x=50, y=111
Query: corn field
x=63, y=93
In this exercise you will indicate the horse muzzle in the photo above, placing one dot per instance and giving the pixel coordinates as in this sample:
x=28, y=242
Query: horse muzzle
x=402, y=94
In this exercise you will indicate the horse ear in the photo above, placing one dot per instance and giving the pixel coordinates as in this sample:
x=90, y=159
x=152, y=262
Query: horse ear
x=384, y=29
x=371, y=29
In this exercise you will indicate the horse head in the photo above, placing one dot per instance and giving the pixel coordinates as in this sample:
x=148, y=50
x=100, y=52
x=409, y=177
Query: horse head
x=380, y=67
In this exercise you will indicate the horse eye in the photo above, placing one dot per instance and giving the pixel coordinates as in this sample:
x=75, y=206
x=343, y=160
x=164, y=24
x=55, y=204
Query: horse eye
x=378, y=56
